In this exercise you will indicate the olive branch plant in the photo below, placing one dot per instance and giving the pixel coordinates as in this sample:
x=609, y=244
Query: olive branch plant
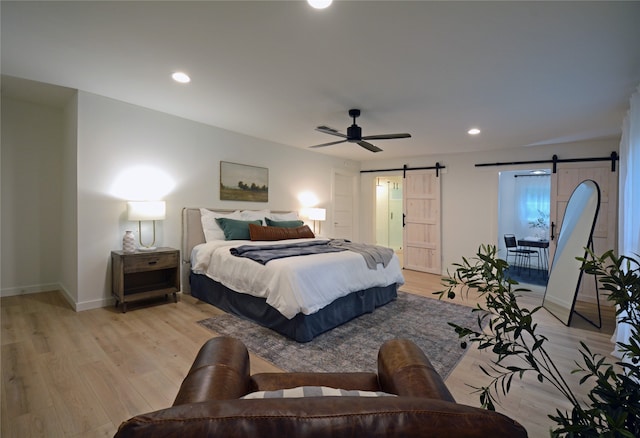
x=612, y=408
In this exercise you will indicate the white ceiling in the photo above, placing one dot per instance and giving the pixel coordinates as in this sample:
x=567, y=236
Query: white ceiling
x=526, y=73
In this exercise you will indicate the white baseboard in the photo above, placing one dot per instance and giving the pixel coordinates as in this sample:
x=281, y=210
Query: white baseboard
x=94, y=304
x=77, y=306
x=33, y=289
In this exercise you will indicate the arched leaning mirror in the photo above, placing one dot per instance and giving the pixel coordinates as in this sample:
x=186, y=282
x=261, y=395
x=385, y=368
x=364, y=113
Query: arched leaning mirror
x=575, y=235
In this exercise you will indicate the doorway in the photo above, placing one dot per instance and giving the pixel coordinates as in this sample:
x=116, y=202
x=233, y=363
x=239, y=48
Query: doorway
x=524, y=204
x=388, y=220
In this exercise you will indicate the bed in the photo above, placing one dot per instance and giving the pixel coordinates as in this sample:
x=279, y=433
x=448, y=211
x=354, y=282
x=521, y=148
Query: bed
x=293, y=296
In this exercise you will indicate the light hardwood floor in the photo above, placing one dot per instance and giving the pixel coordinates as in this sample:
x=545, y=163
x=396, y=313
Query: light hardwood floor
x=80, y=374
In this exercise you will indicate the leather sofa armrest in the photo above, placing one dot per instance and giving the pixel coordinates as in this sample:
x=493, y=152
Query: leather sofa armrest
x=403, y=369
x=219, y=372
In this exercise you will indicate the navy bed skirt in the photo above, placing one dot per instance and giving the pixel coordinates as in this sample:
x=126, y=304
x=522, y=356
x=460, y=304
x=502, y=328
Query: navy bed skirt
x=301, y=328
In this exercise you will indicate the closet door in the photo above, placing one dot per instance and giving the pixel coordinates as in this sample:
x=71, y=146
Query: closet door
x=344, y=194
x=422, y=236
x=563, y=182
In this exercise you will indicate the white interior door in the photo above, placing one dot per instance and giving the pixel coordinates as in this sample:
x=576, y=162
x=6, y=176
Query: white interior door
x=563, y=182
x=422, y=236
x=344, y=195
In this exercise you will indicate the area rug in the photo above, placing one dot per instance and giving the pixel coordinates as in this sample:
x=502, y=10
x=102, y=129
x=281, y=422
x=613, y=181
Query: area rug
x=354, y=346
x=524, y=276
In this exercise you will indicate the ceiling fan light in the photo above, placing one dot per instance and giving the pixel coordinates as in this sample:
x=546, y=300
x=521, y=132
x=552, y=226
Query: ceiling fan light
x=320, y=4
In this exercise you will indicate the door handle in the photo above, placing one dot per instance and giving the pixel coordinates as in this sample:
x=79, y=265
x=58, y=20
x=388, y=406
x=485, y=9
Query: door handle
x=403, y=216
x=553, y=230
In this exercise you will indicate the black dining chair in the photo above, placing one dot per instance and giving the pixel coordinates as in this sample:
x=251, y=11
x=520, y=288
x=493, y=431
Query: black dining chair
x=521, y=256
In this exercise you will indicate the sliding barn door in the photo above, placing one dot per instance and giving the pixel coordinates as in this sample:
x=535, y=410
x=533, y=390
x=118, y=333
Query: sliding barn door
x=421, y=237
x=563, y=182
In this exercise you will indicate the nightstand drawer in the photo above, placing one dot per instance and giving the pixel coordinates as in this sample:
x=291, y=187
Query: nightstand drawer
x=150, y=262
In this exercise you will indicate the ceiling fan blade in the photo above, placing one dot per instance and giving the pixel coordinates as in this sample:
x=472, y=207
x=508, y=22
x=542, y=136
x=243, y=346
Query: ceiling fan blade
x=327, y=144
x=330, y=131
x=386, y=136
x=369, y=146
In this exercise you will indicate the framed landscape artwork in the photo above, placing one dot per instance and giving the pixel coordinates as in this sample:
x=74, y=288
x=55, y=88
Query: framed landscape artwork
x=239, y=182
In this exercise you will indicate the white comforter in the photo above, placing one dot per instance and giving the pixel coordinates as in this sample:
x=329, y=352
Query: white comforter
x=292, y=285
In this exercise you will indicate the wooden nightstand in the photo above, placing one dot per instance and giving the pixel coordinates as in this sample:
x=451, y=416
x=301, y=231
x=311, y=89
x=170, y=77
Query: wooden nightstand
x=142, y=275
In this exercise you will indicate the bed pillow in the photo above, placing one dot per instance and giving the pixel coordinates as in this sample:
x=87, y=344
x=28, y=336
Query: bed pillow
x=210, y=227
x=234, y=229
x=315, y=391
x=292, y=216
x=284, y=224
x=258, y=232
x=255, y=215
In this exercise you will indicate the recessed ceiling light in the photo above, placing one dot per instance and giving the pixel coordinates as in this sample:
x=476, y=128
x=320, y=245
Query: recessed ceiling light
x=181, y=77
x=473, y=131
x=320, y=4
x=538, y=172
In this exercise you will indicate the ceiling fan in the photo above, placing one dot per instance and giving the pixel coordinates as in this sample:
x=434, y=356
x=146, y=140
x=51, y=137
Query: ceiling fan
x=354, y=135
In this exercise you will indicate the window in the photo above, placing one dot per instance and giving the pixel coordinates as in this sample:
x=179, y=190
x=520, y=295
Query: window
x=532, y=196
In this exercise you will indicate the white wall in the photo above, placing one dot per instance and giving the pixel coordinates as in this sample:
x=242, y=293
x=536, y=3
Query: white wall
x=68, y=252
x=469, y=193
x=32, y=145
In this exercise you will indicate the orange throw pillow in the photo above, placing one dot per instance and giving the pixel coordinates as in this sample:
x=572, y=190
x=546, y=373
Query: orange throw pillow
x=259, y=232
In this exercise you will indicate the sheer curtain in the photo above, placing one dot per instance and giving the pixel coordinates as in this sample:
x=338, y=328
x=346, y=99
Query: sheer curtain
x=532, y=194
x=629, y=208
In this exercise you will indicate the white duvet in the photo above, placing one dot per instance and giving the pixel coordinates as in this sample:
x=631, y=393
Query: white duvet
x=292, y=285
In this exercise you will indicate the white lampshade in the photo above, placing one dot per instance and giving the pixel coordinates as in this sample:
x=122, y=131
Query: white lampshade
x=317, y=214
x=146, y=210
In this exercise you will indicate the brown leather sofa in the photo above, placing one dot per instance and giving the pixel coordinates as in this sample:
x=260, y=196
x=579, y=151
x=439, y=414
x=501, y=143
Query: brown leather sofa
x=209, y=404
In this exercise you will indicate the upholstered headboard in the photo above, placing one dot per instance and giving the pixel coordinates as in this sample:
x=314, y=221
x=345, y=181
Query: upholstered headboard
x=192, y=233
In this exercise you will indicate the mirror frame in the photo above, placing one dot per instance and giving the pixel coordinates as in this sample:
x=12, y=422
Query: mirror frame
x=576, y=234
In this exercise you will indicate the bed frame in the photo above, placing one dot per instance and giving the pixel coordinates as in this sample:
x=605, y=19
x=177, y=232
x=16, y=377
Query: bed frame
x=302, y=328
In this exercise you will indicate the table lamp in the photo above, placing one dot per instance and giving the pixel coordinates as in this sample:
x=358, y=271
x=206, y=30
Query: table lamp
x=317, y=215
x=146, y=211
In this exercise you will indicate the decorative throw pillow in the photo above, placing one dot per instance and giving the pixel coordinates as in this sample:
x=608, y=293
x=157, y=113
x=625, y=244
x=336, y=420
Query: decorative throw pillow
x=255, y=215
x=284, y=224
x=210, y=227
x=291, y=216
x=258, y=232
x=234, y=229
x=315, y=391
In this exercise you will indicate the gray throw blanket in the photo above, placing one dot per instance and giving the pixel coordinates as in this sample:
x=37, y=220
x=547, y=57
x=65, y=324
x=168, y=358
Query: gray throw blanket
x=265, y=253
x=372, y=254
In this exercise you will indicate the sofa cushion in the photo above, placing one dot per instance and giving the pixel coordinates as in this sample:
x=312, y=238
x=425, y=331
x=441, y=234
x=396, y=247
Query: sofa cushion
x=315, y=391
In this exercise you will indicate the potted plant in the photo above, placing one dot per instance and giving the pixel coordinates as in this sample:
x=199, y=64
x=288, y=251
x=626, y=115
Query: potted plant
x=541, y=223
x=613, y=405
